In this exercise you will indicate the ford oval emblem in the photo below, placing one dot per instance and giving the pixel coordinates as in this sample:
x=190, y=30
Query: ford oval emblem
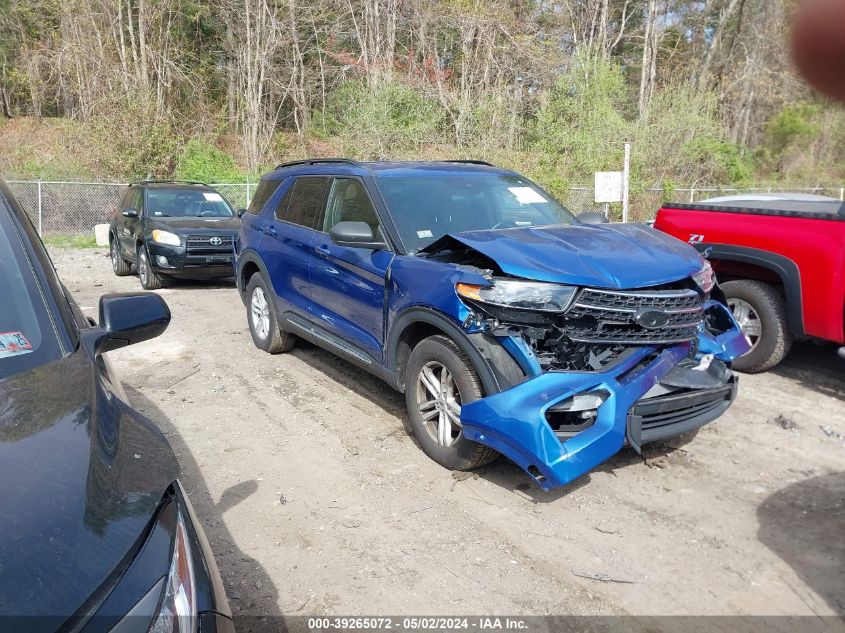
x=651, y=319
x=215, y=240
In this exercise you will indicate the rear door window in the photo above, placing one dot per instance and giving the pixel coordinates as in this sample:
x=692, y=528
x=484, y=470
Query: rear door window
x=306, y=201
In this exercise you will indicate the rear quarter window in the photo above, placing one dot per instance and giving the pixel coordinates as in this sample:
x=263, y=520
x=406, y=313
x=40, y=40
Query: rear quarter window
x=265, y=191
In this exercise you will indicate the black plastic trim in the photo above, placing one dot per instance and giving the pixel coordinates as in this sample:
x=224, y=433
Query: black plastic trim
x=783, y=267
x=432, y=317
x=834, y=216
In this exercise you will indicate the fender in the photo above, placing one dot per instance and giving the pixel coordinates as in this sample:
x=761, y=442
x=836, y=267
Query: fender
x=783, y=267
x=439, y=320
x=243, y=259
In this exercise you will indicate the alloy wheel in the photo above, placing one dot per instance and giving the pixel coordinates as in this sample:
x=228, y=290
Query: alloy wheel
x=260, y=311
x=143, y=267
x=439, y=403
x=747, y=319
x=114, y=256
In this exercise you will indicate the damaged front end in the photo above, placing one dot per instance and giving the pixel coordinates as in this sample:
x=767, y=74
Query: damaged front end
x=602, y=368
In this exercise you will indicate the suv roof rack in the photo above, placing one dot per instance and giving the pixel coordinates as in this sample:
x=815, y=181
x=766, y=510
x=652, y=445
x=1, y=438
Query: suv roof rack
x=152, y=181
x=469, y=161
x=318, y=161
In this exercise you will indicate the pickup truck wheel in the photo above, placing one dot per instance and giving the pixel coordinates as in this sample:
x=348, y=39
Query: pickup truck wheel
x=439, y=379
x=149, y=280
x=119, y=265
x=263, y=324
x=760, y=312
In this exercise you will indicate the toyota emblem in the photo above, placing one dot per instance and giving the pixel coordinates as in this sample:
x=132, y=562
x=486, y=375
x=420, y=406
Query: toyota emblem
x=215, y=240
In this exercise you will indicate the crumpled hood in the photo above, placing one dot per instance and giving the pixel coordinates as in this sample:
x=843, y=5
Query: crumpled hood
x=82, y=478
x=616, y=256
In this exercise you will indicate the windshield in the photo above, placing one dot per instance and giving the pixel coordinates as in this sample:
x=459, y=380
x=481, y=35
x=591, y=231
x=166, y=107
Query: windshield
x=27, y=335
x=427, y=207
x=186, y=203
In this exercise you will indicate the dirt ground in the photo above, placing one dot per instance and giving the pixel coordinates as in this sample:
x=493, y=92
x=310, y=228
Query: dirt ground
x=317, y=502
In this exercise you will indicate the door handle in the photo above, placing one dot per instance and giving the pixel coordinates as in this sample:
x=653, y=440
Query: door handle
x=269, y=230
x=322, y=250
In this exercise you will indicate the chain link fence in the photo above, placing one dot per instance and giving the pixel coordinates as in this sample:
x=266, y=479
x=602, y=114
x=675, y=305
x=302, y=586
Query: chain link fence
x=73, y=208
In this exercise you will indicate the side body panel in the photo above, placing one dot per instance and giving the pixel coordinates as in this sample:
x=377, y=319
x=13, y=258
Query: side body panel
x=815, y=246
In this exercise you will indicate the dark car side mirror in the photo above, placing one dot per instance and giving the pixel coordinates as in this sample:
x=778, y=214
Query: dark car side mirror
x=130, y=213
x=592, y=217
x=355, y=235
x=241, y=212
x=125, y=319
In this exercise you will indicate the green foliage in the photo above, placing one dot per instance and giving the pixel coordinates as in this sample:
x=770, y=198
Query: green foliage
x=136, y=142
x=204, y=162
x=795, y=124
x=70, y=241
x=383, y=121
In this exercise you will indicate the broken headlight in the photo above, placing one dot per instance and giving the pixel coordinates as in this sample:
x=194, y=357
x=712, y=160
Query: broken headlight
x=704, y=278
x=523, y=295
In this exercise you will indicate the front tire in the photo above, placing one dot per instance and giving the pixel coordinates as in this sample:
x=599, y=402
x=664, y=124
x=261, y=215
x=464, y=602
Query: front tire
x=119, y=265
x=149, y=279
x=760, y=311
x=439, y=380
x=263, y=323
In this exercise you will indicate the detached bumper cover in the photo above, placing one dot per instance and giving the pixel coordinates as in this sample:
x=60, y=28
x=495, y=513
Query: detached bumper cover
x=514, y=421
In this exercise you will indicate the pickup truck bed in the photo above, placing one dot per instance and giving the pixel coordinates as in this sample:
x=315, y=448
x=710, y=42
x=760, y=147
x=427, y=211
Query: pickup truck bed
x=784, y=260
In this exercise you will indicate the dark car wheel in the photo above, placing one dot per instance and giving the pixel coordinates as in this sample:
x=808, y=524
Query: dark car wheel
x=439, y=379
x=760, y=312
x=119, y=265
x=149, y=280
x=263, y=323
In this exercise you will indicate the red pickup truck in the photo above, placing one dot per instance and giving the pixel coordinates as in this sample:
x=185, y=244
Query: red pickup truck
x=780, y=261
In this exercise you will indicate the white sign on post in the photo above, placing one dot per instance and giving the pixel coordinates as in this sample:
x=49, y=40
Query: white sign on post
x=608, y=186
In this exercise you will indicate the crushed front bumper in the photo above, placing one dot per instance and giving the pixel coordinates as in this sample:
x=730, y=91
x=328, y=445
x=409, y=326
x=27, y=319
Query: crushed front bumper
x=514, y=421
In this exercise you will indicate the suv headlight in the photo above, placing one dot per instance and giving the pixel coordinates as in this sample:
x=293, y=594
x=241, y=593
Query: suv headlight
x=166, y=237
x=704, y=278
x=178, y=610
x=524, y=295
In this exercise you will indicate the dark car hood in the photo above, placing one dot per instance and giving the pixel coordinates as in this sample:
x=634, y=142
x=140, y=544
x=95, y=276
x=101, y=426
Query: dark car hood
x=599, y=255
x=82, y=476
x=198, y=225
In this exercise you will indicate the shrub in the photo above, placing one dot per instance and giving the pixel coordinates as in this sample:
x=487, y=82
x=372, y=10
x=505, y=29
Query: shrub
x=204, y=162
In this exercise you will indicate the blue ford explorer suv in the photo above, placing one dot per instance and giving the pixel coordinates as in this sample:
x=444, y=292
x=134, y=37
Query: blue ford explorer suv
x=511, y=326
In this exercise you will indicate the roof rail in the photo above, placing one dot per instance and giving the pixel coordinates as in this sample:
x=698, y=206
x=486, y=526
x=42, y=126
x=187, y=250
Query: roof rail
x=318, y=161
x=167, y=182
x=469, y=161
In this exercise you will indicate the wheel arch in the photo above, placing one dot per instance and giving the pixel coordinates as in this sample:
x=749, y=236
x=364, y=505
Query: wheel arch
x=754, y=261
x=416, y=324
x=249, y=263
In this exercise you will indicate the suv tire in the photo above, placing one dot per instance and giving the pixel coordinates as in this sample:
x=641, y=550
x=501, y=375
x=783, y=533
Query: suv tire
x=438, y=379
x=262, y=319
x=759, y=307
x=149, y=279
x=119, y=265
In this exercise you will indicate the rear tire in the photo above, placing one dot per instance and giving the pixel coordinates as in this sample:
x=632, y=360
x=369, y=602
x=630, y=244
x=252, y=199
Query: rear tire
x=149, y=279
x=120, y=266
x=439, y=380
x=760, y=311
x=263, y=322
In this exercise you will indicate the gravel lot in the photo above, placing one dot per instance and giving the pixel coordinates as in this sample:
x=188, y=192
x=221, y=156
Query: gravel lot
x=317, y=502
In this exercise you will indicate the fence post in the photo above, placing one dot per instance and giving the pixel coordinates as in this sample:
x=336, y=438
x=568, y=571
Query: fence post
x=691, y=195
x=39, y=208
x=247, y=192
x=626, y=174
x=842, y=193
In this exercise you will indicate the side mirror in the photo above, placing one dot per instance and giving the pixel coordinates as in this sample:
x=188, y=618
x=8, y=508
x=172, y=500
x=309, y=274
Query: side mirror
x=130, y=213
x=125, y=319
x=241, y=212
x=592, y=217
x=355, y=235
